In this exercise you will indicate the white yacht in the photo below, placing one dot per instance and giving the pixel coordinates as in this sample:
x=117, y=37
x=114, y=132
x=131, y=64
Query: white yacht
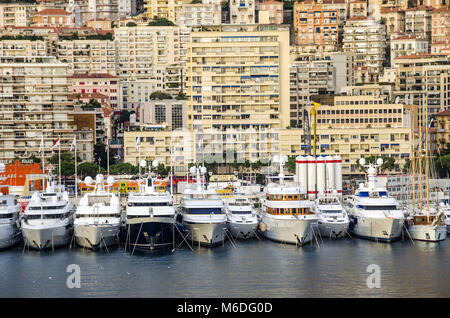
x=333, y=220
x=150, y=217
x=98, y=217
x=242, y=220
x=374, y=215
x=10, y=232
x=444, y=206
x=202, y=211
x=47, y=221
x=427, y=225
x=286, y=214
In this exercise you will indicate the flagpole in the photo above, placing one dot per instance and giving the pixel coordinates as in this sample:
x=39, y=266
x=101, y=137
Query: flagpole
x=107, y=155
x=76, y=175
x=43, y=163
x=59, y=160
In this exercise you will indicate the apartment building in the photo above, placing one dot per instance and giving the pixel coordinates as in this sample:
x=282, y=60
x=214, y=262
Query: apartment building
x=171, y=148
x=88, y=56
x=357, y=8
x=418, y=21
x=33, y=102
x=315, y=28
x=90, y=119
x=53, y=17
x=144, y=49
x=270, y=12
x=23, y=46
x=189, y=15
x=170, y=112
x=242, y=11
x=16, y=14
x=402, y=45
x=443, y=129
x=440, y=28
x=394, y=19
x=310, y=78
x=367, y=40
x=435, y=4
x=96, y=83
x=86, y=10
x=85, y=144
x=423, y=80
x=99, y=24
x=238, y=89
x=167, y=9
x=355, y=127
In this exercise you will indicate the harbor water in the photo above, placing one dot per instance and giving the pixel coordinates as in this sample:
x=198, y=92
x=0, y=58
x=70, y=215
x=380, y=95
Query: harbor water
x=253, y=269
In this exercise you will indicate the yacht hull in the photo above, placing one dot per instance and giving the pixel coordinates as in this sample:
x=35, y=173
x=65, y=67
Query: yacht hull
x=428, y=232
x=377, y=229
x=205, y=234
x=10, y=235
x=150, y=233
x=333, y=229
x=293, y=231
x=242, y=230
x=42, y=238
x=96, y=236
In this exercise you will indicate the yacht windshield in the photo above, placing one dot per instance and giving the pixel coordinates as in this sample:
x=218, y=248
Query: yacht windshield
x=331, y=211
x=378, y=207
x=148, y=203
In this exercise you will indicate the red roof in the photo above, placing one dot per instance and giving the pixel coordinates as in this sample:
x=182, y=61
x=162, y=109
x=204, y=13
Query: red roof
x=333, y=1
x=93, y=75
x=420, y=8
x=444, y=113
x=87, y=95
x=405, y=37
x=357, y=18
x=53, y=12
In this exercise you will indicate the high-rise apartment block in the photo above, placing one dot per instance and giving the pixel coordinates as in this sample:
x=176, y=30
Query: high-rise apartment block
x=33, y=103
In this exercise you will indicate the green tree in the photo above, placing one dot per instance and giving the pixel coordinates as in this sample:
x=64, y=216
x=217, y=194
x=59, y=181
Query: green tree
x=89, y=169
x=131, y=24
x=161, y=22
x=290, y=164
x=388, y=163
x=123, y=168
x=34, y=159
x=160, y=95
x=124, y=116
x=100, y=153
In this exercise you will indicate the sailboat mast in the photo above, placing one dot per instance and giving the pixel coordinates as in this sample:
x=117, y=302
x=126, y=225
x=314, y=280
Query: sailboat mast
x=427, y=168
x=420, y=161
x=413, y=160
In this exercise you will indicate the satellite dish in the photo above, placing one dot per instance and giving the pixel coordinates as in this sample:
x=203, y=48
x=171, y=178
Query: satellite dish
x=362, y=161
x=143, y=163
x=397, y=100
x=276, y=158
x=441, y=204
x=2, y=167
x=284, y=158
x=88, y=180
x=110, y=180
x=203, y=170
x=99, y=178
x=380, y=161
x=193, y=169
x=155, y=163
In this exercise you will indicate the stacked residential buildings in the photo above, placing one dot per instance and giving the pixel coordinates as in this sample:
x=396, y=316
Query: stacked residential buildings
x=212, y=81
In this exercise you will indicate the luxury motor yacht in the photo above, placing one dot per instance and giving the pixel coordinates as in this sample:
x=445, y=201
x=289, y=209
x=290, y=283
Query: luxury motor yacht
x=47, y=221
x=150, y=217
x=242, y=220
x=10, y=232
x=286, y=214
x=374, y=215
x=333, y=220
x=98, y=217
x=202, y=212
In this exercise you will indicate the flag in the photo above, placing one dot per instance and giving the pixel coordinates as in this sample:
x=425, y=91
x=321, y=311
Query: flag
x=41, y=146
x=56, y=143
x=138, y=143
x=74, y=143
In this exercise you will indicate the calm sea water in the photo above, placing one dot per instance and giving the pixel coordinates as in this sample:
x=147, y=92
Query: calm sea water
x=253, y=269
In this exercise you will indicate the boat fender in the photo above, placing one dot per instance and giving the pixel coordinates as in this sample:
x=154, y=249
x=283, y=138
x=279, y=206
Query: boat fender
x=18, y=224
x=262, y=227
